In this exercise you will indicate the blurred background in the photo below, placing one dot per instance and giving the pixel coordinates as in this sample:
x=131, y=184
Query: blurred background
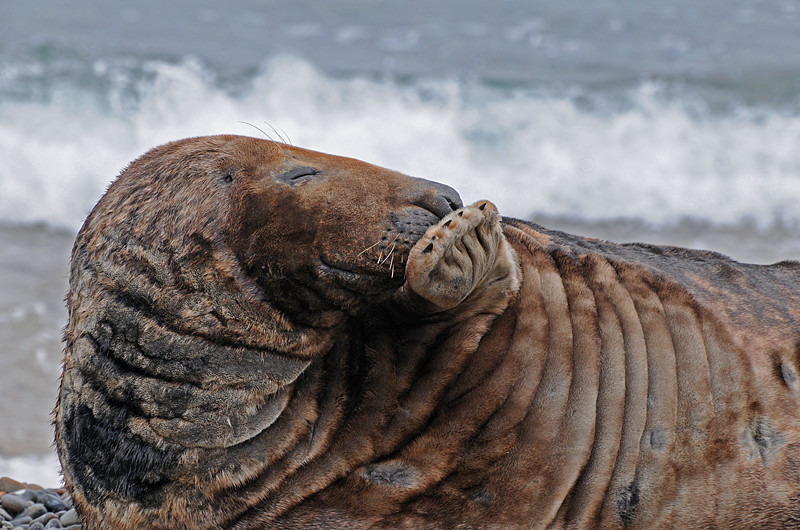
x=675, y=123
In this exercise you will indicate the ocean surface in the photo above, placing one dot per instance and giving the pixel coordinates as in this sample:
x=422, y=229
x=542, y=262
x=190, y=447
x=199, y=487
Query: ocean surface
x=674, y=123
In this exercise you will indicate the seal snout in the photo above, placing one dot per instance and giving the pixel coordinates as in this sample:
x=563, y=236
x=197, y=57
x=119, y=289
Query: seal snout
x=438, y=199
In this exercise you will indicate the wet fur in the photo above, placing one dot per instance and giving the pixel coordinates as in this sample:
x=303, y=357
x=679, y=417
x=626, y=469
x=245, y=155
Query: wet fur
x=248, y=351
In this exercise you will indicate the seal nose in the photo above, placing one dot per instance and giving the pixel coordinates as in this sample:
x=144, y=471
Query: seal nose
x=437, y=198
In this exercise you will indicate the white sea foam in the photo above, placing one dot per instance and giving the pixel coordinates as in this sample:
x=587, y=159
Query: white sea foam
x=653, y=159
x=43, y=470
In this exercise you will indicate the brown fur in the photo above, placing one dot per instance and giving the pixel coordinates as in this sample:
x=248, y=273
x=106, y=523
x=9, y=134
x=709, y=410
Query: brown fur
x=253, y=345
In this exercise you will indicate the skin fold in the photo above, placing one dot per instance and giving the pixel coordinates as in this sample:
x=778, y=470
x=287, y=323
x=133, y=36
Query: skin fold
x=262, y=336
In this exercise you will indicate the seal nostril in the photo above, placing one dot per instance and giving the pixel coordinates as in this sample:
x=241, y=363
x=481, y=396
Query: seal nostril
x=437, y=198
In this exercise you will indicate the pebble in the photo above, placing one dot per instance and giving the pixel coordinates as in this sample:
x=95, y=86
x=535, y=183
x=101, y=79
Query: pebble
x=69, y=518
x=31, y=507
x=9, y=484
x=53, y=503
x=28, y=495
x=13, y=504
x=46, y=518
x=35, y=510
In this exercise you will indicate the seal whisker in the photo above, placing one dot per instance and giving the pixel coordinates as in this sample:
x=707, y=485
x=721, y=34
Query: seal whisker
x=391, y=251
x=282, y=137
x=259, y=129
x=366, y=249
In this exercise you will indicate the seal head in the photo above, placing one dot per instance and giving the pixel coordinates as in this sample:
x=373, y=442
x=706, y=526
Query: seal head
x=206, y=280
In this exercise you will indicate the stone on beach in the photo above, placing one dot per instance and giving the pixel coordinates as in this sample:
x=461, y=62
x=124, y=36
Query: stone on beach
x=69, y=518
x=35, y=510
x=14, y=504
x=31, y=507
x=8, y=484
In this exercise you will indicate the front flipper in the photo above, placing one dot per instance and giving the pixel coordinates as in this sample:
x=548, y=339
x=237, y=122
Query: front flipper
x=464, y=254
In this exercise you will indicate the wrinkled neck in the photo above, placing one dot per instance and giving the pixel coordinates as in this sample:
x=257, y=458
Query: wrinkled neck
x=387, y=378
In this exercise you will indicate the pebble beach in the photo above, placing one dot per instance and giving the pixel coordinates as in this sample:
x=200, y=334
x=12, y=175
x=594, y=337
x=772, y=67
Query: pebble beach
x=32, y=507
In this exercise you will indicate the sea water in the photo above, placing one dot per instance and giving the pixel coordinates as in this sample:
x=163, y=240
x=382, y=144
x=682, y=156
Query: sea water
x=675, y=123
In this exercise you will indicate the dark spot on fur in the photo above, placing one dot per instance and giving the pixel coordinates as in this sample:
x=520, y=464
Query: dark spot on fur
x=391, y=474
x=132, y=333
x=101, y=336
x=482, y=497
x=657, y=439
x=627, y=501
x=763, y=440
x=447, y=223
x=784, y=371
x=115, y=464
x=789, y=376
x=428, y=248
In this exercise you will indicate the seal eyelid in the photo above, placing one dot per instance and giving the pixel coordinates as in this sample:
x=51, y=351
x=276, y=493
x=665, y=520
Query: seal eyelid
x=297, y=175
x=227, y=177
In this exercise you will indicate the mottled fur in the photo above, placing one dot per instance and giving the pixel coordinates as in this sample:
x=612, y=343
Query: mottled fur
x=262, y=336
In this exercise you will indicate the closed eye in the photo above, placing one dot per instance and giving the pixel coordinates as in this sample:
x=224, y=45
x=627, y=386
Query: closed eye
x=297, y=175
